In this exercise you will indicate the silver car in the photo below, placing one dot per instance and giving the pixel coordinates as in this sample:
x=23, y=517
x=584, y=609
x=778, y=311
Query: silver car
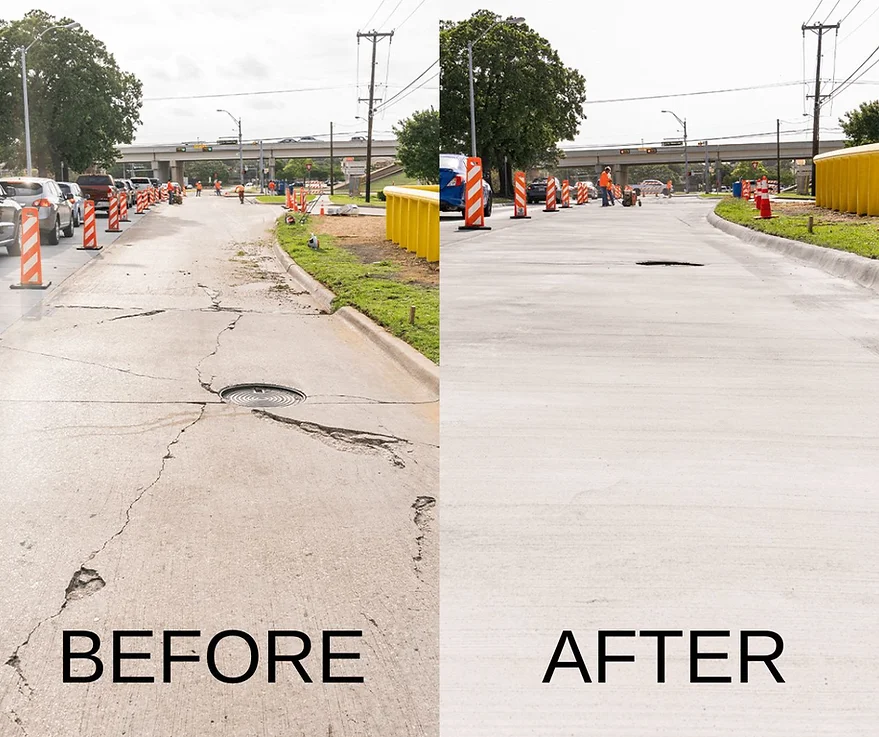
x=10, y=224
x=55, y=210
x=74, y=194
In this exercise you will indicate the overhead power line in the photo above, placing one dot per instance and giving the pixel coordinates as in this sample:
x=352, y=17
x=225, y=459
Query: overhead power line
x=374, y=12
x=854, y=7
x=390, y=15
x=836, y=5
x=398, y=27
x=387, y=102
x=845, y=83
x=820, y=3
x=859, y=26
x=397, y=99
x=694, y=94
x=247, y=94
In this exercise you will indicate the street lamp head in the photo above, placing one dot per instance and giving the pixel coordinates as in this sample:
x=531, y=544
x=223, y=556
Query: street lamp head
x=73, y=26
x=518, y=20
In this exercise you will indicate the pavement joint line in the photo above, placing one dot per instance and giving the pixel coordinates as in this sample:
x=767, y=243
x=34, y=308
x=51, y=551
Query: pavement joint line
x=80, y=583
x=87, y=363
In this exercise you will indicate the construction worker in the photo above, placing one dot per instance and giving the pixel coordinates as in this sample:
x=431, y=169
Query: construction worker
x=240, y=190
x=198, y=188
x=605, y=183
x=272, y=187
x=217, y=185
x=170, y=191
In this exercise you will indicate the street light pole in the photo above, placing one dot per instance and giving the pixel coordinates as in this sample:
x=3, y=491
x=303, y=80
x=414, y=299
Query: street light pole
x=27, y=119
x=470, y=45
x=683, y=123
x=240, y=149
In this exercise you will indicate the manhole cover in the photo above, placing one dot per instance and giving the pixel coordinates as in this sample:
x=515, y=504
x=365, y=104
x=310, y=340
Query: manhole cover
x=261, y=395
x=667, y=263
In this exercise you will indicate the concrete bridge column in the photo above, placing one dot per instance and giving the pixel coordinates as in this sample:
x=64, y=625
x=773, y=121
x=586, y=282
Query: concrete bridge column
x=176, y=172
x=271, y=166
x=624, y=176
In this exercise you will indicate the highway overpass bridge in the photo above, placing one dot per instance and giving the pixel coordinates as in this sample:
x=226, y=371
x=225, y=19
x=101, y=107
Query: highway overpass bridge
x=620, y=159
x=168, y=161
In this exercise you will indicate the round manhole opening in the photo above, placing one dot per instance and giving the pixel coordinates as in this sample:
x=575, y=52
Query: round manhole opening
x=261, y=395
x=667, y=263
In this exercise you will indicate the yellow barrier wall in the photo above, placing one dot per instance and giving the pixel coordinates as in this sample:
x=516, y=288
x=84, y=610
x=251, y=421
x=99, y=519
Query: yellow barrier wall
x=848, y=180
x=412, y=219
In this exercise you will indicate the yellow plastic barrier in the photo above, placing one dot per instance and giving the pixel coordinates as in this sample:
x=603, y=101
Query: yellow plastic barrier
x=848, y=180
x=412, y=219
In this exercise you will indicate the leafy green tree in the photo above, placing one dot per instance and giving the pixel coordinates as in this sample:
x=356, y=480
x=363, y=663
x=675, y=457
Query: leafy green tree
x=208, y=170
x=418, y=144
x=861, y=126
x=296, y=169
x=526, y=99
x=662, y=172
x=745, y=170
x=82, y=105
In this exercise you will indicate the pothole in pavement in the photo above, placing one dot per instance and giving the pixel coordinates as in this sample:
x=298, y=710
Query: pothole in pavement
x=261, y=395
x=667, y=263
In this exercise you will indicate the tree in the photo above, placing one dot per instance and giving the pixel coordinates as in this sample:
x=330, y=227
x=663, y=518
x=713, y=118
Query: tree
x=418, y=144
x=662, y=172
x=82, y=105
x=527, y=100
x=861, y=126
x=746, y=170
x=207, y=171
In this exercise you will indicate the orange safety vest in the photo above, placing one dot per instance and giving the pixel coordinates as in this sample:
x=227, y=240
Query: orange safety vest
x=239, y=189
x=198, y=186
x=604, y=179
x=217, y=184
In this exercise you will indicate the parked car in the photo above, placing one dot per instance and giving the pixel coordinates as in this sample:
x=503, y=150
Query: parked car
x=140, y=183
x=76, y=198
x=453, y=173
x=536, y=191
x=652, y=186
x=55, y=210
x=307, y=138
x=10, y=224
x=155, y=182
x=591, y=190
x=358, y=138
x=98, y=188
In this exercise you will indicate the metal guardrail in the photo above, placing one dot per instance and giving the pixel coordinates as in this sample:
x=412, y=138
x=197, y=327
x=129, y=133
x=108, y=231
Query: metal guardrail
x=848, y=180
x=412, y=219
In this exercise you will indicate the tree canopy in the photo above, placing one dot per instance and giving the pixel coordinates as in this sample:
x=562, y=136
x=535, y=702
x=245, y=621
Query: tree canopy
x=82, y=105
x=418, y=145
x=526, y=99
x=861, y=126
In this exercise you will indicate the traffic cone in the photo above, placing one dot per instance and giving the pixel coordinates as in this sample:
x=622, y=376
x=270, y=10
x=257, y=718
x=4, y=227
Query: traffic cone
x=520, y=192
x=550, y=195
x=31, y=263
x=321, y=207
x=123, y=207
x=289, y=202
x=474, y=205
x=765, y=207
x=758, y=194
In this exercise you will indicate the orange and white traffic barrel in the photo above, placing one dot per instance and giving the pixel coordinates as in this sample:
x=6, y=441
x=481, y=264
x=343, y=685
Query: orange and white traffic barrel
x=123, y=207
x=289, y=202
x=566, y=193
x=474, y=206
x=89, y=228
x=550, y=195
x=113, y=216
x=520, y=197
x=31, y=263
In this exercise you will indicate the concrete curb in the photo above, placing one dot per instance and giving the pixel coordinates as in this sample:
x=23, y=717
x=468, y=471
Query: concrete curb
x=422, y=368
x=861, y=270
x=419, y=366
x=323, y=296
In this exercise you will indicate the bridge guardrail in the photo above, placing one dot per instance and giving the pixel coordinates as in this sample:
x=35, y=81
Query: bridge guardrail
x=848, y=180
x=412, y=219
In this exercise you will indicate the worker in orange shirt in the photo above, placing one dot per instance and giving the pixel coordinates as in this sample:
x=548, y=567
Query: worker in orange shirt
x=198, y=188
x=217, y=185
x=240, y=190
x=605, y=183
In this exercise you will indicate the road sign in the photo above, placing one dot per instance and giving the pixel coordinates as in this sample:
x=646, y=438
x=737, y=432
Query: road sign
x=672, y=143
x=181, y=148
x=308, y=166
x=755, y=165
x=625, y=150
x=356, y=170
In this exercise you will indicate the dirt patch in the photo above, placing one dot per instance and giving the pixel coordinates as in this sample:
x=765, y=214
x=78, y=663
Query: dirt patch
x=804, y=209
x=364, y=236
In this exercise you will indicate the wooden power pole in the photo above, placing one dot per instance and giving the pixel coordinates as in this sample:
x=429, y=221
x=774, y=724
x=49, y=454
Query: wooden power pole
x=375, y=37
x=818, y=28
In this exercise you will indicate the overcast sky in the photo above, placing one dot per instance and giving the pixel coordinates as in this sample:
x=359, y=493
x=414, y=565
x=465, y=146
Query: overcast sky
x=183, y=49
x=643, y=47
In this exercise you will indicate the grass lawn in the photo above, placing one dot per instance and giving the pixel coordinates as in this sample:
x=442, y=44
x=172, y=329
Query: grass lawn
x=379, y=289
x=338, y=199
x=842, y=231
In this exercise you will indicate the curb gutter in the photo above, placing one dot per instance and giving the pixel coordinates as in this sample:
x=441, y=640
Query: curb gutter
x=416, y=364
x=861, y=270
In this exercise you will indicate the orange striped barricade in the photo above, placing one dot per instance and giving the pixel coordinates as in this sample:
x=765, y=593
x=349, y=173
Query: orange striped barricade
x=520, y=198
x=31, y=263
x=758, y=193
x=139, y=202
x=617, y=191
x=89, y=228
x=746, y=189
x=153, y=197
x=566, y=194
x=303, y=200
x=550, y=195
x=581, y=193
x=113, y=216
x=123, y=207
x=289, y=203
x=474, y=199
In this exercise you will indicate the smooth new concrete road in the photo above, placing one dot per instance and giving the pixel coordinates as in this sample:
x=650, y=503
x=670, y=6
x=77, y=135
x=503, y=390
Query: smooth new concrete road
x=133, y=498
x=632, y=447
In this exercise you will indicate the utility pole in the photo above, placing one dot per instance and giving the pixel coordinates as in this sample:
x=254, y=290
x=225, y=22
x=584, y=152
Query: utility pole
x=778, y=155
x=332, y=161
x=262, y=179
x=819, y=28
x=375, y=37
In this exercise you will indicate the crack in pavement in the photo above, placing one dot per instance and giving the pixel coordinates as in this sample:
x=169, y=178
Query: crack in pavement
x=424, y=516
x=207, y=385
x=369, y=400
x=149, y=313
x=343, y=438
x=87, y=581
x=213, y=295
x=88, y=363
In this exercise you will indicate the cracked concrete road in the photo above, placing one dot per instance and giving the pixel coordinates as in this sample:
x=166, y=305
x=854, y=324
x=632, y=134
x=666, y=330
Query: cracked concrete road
x=639, y=448
x=133, y=498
